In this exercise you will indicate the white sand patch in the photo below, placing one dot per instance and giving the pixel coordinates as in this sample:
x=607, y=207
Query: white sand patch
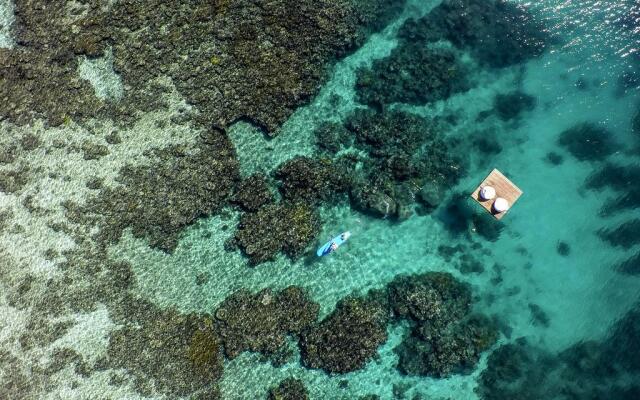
x=7, y=18
x=100, y=74
x=99, y=385
x=89, y=336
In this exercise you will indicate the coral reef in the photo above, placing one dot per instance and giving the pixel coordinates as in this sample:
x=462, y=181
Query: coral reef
x=510, y=106
x=346, y=339
x=630, y=266
x=157, y=201
x=412, y=74
x=619, y=178
x=308, y=180
x=232, y=60
x=260, y=322
x=285, y=227
x=404, y=155
x=167, y=352
x=434, y=297
x=588, y=142
x=253, y=192
x=626, y=235
x=607, y=369
x=444, y=338
x=289, y=389
x=455, y=349
x=497, y=33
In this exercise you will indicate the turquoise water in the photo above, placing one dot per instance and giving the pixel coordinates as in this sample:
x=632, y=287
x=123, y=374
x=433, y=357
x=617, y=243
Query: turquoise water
x=575, y=80
x=547, y=274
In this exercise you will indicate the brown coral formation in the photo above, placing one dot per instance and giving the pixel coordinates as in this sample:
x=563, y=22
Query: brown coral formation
x=232, y=60
x=260, y=322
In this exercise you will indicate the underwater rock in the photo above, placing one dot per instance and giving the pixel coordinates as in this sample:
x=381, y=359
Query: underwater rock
x=510, y=106
x=289, y=389
x=457, y=214
x=412, y=74
x=260, y=322
x=487, y=143
x=94, y=151
x=346, y=339
x=394, y=154
x=304, y=179
x=436, y=298
x=158, y=200
x=253, y=192
x=469, y=264
x=630, y=266
x=554, y=158
x=497, y=33
x=617, y=177
x=431, y=195
x=588, y=142
x=625, y=235
x=289, y=228
x=172, y=353
x=441, y=352
x=367, y=198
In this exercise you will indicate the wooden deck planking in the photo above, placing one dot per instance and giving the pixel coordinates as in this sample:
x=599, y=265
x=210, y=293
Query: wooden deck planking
x=504, y=188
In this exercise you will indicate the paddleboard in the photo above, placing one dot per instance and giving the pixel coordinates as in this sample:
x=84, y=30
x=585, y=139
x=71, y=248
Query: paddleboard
x=338, y=240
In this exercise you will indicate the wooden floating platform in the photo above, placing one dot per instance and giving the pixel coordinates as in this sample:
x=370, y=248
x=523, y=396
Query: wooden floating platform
x=504, y=188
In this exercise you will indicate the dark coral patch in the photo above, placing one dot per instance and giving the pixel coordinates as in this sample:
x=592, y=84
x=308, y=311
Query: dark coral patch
x=496, y=32
x=510, y=106
x=625, y=235
x=588, y=142
x=289, y=228
x=443, y=339
x=434, y=297
x=630, y=266
x=260, y=322
x=346, y=339
x=289, y=389
x=412, y=74
x=455, y=349
x=606, y=369
x=621, y=178
x=253, y=192
x=405, y=154
x=304, y=179
x=231, y=59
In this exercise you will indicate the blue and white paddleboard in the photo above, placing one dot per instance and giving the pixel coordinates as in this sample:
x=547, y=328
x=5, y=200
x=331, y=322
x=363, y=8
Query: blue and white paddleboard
x=333, y=244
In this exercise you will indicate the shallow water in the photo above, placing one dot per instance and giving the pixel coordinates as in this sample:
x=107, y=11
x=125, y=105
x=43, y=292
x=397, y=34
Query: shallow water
x=575, y=80
x=580, y=293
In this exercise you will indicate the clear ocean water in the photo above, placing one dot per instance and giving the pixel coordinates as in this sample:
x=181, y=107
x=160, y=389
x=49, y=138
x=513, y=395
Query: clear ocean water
x=547, y=256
